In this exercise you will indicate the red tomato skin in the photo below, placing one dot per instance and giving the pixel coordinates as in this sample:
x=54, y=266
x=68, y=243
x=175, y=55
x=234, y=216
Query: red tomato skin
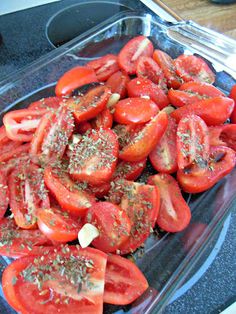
x=192, y=68
x=4, y=194
x=113, y=224
x=117, y=82
x=122, y=270
x=166, y=63
x=173, y=219
x=17, y=152
x=83, y=127
x=198, y=180
x=148, y=68
x=164, y=156
x=201, y=88
x=104, y=66
x=103, y=120
x=233, y=96
x=135, y=110
x=129, y=170
x=223, y=135
x=213, y=111
x=146, y=139
x=192, y=141
x=129, y=54
x=74, y=78
x=139, y=87
x=46, y=103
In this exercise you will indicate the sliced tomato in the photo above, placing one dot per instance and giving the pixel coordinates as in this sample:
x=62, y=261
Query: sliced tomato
x=21, y=124
x=141, y=87
x=83, y=127
x=144, y=141
x=166, y=63
x=103, y=120
x=104, y=66
x=52, y=136
x=57, y=225
x=164, y=156
x=126, y=132
x=135, y=110
x=16, y=242
x=4, y=194
x=94, y=158
x=124, y=282
x=196, y=179
x=71, y=197
x=201, y=88
x=192, y=68
x=233, y=96
x=141, y=203
x=223, y=135
x=67, y=280
x=90, y=105
x=192, y=141
x=117, y=82
x=174, y=214
x=14, y=153
x=49, y=103
x=113, y=224
x=73, y=79
x=130, y=53
x=213, y=111
x=100, y=191
x=148, y=68
x=129, y=170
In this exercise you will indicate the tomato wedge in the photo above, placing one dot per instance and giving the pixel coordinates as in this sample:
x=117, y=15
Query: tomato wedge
x=174, y=214
x=192, y=141
x=117, y=82
x=73, y=79
x=71, y=197
x=135, y=110
x=4, y=194
x=139, y=87
x=16, y=242
x=94, y=158
x=196, y=179
x=16, y=151
x=27, y=193
x=213, y=111
x=144, y=141
x=223, y=135
x=21, y=124
x=192, y=68
x=103, y=120
x=67, y=280
x=164, y=156
x=113, y=224
x=129, y=170
x=49, y=103
x=124, y=282
x=132, y=51
x=166, y=63
x=233, y=96
x=104, y=66
x=148, y=68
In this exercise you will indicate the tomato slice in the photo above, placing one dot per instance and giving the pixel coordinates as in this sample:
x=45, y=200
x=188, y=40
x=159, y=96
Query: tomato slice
x=135, y=110
x=124, y=282
x=16, y=151
x=57, y=225
x=144, y=141
x=73, y=79
x=49, y=103
x=67, y=280
x=21, y=124
x=129, y=170
x=139, y=87
x=192, y=141
x=166, y=63
x=192, y=68
x=16, y=242
x=27, y=193
x=148, y=68
x=223, y=135
x=103, y=120
x=52, y=136
x=164, y=156
x=83, y=127
x=233, y=96
x=90, y=105
x=104, y=66
x=117, y=82
x=201, y=88
x=174, y=214
x=197, y=179
x=141, y=203
x=213, y=111
x=130, y=53
x=113, y=224
x=4, y=194
x=71, y=196
x=94, y=158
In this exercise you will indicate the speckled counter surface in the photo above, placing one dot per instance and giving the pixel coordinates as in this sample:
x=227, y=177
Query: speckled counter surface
x=23, y=41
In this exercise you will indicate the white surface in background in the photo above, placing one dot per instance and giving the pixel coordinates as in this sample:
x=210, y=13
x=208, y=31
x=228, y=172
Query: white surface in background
x=230, y=310
x=158, y=10
x=8, y=6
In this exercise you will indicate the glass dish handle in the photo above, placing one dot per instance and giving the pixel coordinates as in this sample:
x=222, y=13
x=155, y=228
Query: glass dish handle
x=215, y=47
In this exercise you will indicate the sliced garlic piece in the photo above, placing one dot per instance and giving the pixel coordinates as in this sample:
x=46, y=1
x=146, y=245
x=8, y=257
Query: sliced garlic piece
x=87, y=234
x=145, y=97
x=114, y=98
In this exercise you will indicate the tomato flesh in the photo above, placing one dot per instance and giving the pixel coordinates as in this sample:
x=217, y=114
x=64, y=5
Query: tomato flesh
x=148, y=68
x=117, y=82
x=104, y=66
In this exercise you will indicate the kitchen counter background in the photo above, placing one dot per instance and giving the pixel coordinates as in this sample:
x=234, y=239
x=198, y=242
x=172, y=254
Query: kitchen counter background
x=23, y=41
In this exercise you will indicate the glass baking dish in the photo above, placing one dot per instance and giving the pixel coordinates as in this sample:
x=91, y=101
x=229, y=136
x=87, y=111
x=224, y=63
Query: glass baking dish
x=166, y=259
